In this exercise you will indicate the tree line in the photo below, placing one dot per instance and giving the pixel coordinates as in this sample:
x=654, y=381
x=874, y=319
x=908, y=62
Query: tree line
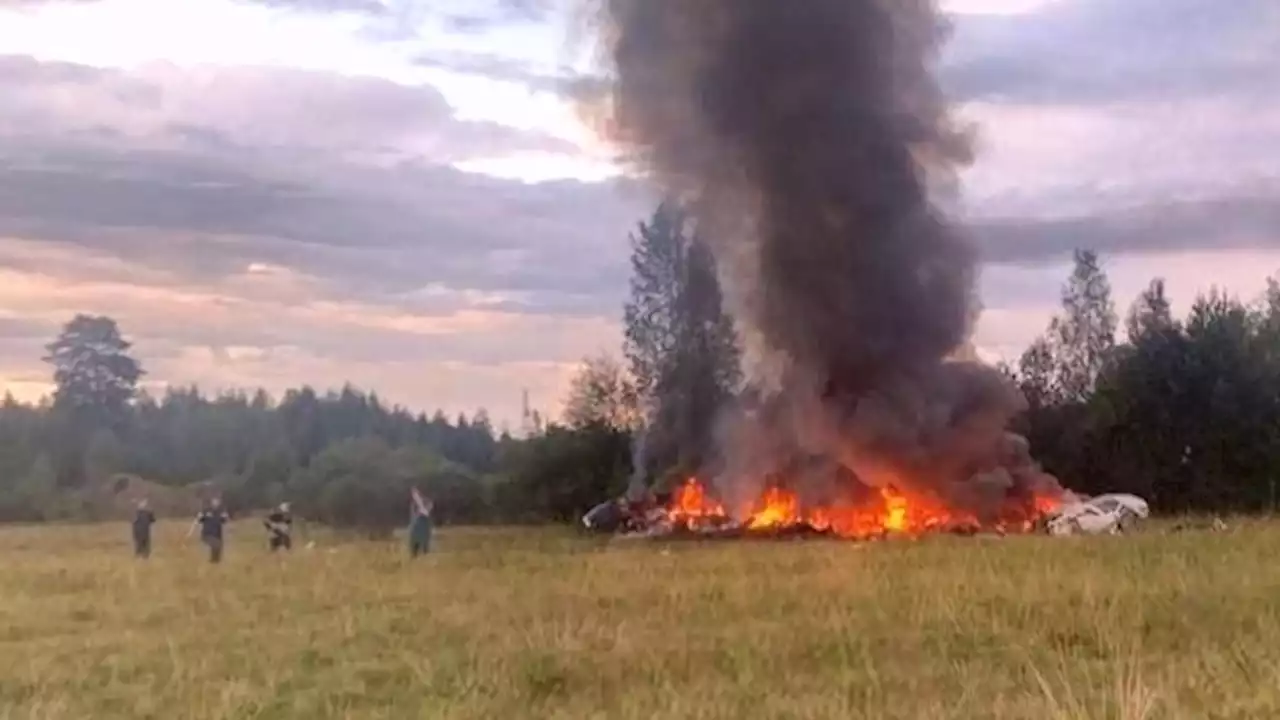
x=348, y=458
x=343, y=457
x=1184, y=411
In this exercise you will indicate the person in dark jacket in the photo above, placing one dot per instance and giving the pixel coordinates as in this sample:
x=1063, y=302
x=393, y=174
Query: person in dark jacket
x=211, y=521
x=143, y=519
x=279, y=526
x=420, y=524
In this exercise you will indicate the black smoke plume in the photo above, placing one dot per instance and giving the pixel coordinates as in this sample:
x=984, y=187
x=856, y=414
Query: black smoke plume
x=808, y=137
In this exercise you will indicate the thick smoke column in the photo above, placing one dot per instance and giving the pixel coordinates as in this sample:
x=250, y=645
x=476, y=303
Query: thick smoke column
x=806, y=136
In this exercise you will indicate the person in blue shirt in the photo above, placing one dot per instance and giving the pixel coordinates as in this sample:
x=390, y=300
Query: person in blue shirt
x=211, y=520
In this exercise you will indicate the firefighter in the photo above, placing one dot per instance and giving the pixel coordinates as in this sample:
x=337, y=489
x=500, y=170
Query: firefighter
x=211, y=521
x=279, y=526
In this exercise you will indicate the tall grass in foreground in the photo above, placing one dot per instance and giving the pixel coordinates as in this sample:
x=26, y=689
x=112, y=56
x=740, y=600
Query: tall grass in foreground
x=541, y=624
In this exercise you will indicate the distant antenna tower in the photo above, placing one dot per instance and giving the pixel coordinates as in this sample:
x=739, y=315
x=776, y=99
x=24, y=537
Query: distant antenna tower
x=526, y=418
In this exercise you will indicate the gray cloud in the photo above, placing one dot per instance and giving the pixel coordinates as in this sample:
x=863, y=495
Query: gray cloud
x=1247, y=221
x=1070, y=52
x=366, y=230
x=168, y=171
x=272, y=108
x=565, y=82
x=403, y=20
x=182, y=178
x=370, y=7
x=203, y=196
x=496, y=67
x=1099, y=51
x=483, y=15
x=388, y=232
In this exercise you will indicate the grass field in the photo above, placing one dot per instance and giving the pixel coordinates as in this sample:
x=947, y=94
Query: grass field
x=542, y=624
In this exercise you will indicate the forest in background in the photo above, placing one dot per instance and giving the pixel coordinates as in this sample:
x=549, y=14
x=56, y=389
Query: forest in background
x=1183, y=411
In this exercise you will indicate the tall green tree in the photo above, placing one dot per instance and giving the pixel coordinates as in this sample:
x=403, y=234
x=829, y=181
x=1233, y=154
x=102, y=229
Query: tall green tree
x=1086, y=330
x=650, y=315
x=1142, y=403
x=95, y=380
x=680, y=344
x=93, y=372
x=1060, y=370
x=1228, y=387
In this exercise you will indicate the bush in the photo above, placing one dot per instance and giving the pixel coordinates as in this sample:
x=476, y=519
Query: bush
x=565, y=472
x=364, y=485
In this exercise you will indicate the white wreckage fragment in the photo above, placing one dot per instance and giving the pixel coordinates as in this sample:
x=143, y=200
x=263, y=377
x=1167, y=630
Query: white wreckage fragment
x=1111, y=514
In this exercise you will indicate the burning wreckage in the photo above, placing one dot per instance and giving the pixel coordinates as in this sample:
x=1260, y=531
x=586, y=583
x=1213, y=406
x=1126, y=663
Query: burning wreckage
x=807, y=141
x=857, y=511
x=1019, y=498
x=691, y=512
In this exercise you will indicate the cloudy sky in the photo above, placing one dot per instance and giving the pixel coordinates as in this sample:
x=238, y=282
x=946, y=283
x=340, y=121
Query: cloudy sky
x=398, y=193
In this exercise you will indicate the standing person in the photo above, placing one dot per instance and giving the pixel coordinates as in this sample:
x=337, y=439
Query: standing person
x=280, y=528
x=143, y=519
x=419, y=524
x=211, y=520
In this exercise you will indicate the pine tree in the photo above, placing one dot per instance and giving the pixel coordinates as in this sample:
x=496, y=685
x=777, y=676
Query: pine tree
x=95, y=380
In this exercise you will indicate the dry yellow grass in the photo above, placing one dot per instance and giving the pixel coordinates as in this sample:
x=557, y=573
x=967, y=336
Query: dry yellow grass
x=542, y=624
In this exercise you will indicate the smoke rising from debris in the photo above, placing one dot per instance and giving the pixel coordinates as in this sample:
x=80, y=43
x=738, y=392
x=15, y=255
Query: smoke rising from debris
x=806, y=137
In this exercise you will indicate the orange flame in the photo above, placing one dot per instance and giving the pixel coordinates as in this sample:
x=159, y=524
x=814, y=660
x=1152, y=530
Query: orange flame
x=779, y=509
x=693, y=508
x=895, y=515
